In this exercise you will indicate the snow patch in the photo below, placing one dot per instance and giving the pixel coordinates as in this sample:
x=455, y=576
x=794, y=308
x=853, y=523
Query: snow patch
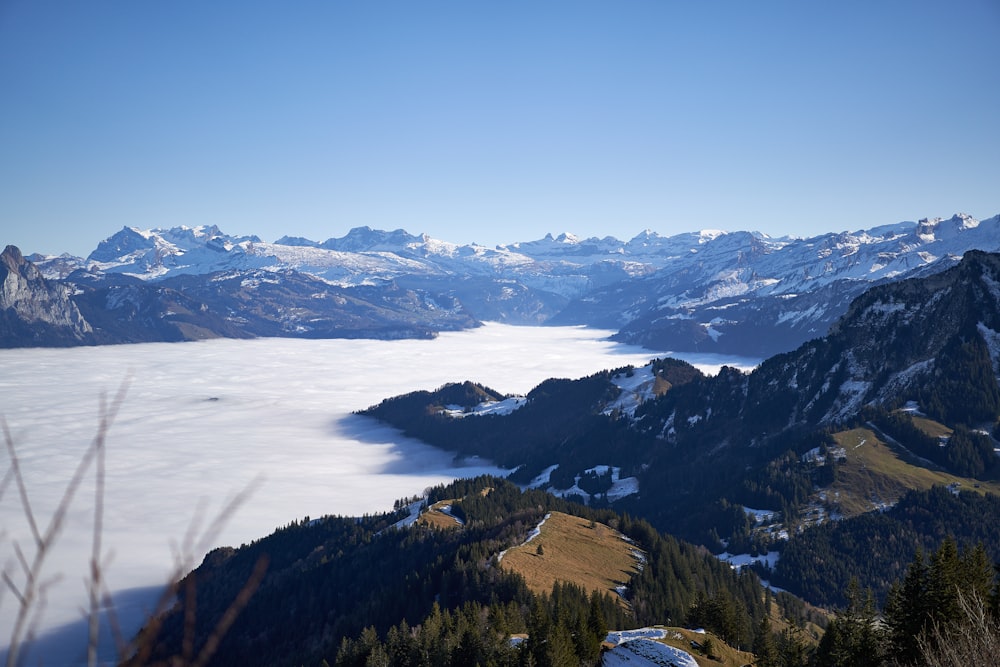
x=504, y=407
x=635, y=389
x=761, y=516
x=642, y=652
x=620, y=486
x=617, y=637
x=740, y=561
x=535, y=532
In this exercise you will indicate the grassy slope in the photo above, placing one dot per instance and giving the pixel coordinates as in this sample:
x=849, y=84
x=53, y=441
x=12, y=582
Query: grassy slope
x=724, y=654
x=876, y=472
x=435, y=517
x=596, y=559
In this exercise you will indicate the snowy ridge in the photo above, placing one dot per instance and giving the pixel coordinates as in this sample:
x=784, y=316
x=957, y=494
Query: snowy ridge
x=728, y=263
x=739, y=293
x=636, y=388
x=799, y=286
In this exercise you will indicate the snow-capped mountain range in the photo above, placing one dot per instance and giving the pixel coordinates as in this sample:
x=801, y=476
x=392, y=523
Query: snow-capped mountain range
x=734, y=292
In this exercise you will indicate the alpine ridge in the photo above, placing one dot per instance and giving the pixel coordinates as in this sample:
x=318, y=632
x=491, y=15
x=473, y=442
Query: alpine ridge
x=739, y=293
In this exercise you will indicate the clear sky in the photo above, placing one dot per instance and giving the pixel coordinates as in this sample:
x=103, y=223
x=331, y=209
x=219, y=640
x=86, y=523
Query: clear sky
x=493, y=122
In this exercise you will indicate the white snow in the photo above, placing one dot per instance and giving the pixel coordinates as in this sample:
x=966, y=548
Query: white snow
x=620, y=486
x=636, y=388
x=620, y=636
x=992, y=339
x=712, y=332
x=761, y=516
x=813, y=312
x=543, y=478
x=504, y=407
x=414, y=514
x=642, y=652
x=625, y=486
x=535, y=532
x=739, y=561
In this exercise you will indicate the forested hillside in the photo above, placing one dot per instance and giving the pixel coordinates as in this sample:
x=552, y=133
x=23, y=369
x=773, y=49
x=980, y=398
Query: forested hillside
x=364, y=581
x=874, y=548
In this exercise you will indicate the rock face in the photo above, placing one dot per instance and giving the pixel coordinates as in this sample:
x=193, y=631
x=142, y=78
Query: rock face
x=33, y=310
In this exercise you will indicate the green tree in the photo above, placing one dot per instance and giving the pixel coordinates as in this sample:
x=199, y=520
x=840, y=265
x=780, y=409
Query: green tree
x=792, y=650
x=560, y=650
x=906, y=610
x=764, y=645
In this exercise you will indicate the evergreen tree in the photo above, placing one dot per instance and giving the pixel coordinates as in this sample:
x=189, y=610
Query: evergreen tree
x=977, y=573
x=906, y=610
x=792, y=650
x=944, y=580
x=853, y=638
x=764, y=645
x=560, y=651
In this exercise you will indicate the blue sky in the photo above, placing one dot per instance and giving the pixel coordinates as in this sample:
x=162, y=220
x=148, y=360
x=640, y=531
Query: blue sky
x=493, y=122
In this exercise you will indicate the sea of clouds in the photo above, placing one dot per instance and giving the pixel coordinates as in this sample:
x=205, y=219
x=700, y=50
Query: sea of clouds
x=202, y=422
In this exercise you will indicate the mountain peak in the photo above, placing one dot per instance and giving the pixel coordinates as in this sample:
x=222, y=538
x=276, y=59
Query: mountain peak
x=362, y=239
x=12, y=258
x=126, y=241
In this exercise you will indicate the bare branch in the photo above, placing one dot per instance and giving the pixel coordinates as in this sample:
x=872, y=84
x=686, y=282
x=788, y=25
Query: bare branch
x=15, y=470
x=23, y=561
x=96, y=581
x=8, y=476
x=13, y=588
x=32, y=596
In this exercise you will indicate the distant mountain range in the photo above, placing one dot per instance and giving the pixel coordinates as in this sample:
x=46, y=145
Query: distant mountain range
x=741, y=293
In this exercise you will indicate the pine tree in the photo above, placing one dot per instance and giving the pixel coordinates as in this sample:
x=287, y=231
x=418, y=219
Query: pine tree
x=853, y=639
x=560, y=649
x=792, y=651
x=539, y=631
x=906, y=610
x=976, y=573
x=944, y=579
x=764, y=645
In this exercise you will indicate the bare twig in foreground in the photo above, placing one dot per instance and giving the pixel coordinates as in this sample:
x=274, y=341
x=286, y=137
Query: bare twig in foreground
x=28, y=587
x=28, y=594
